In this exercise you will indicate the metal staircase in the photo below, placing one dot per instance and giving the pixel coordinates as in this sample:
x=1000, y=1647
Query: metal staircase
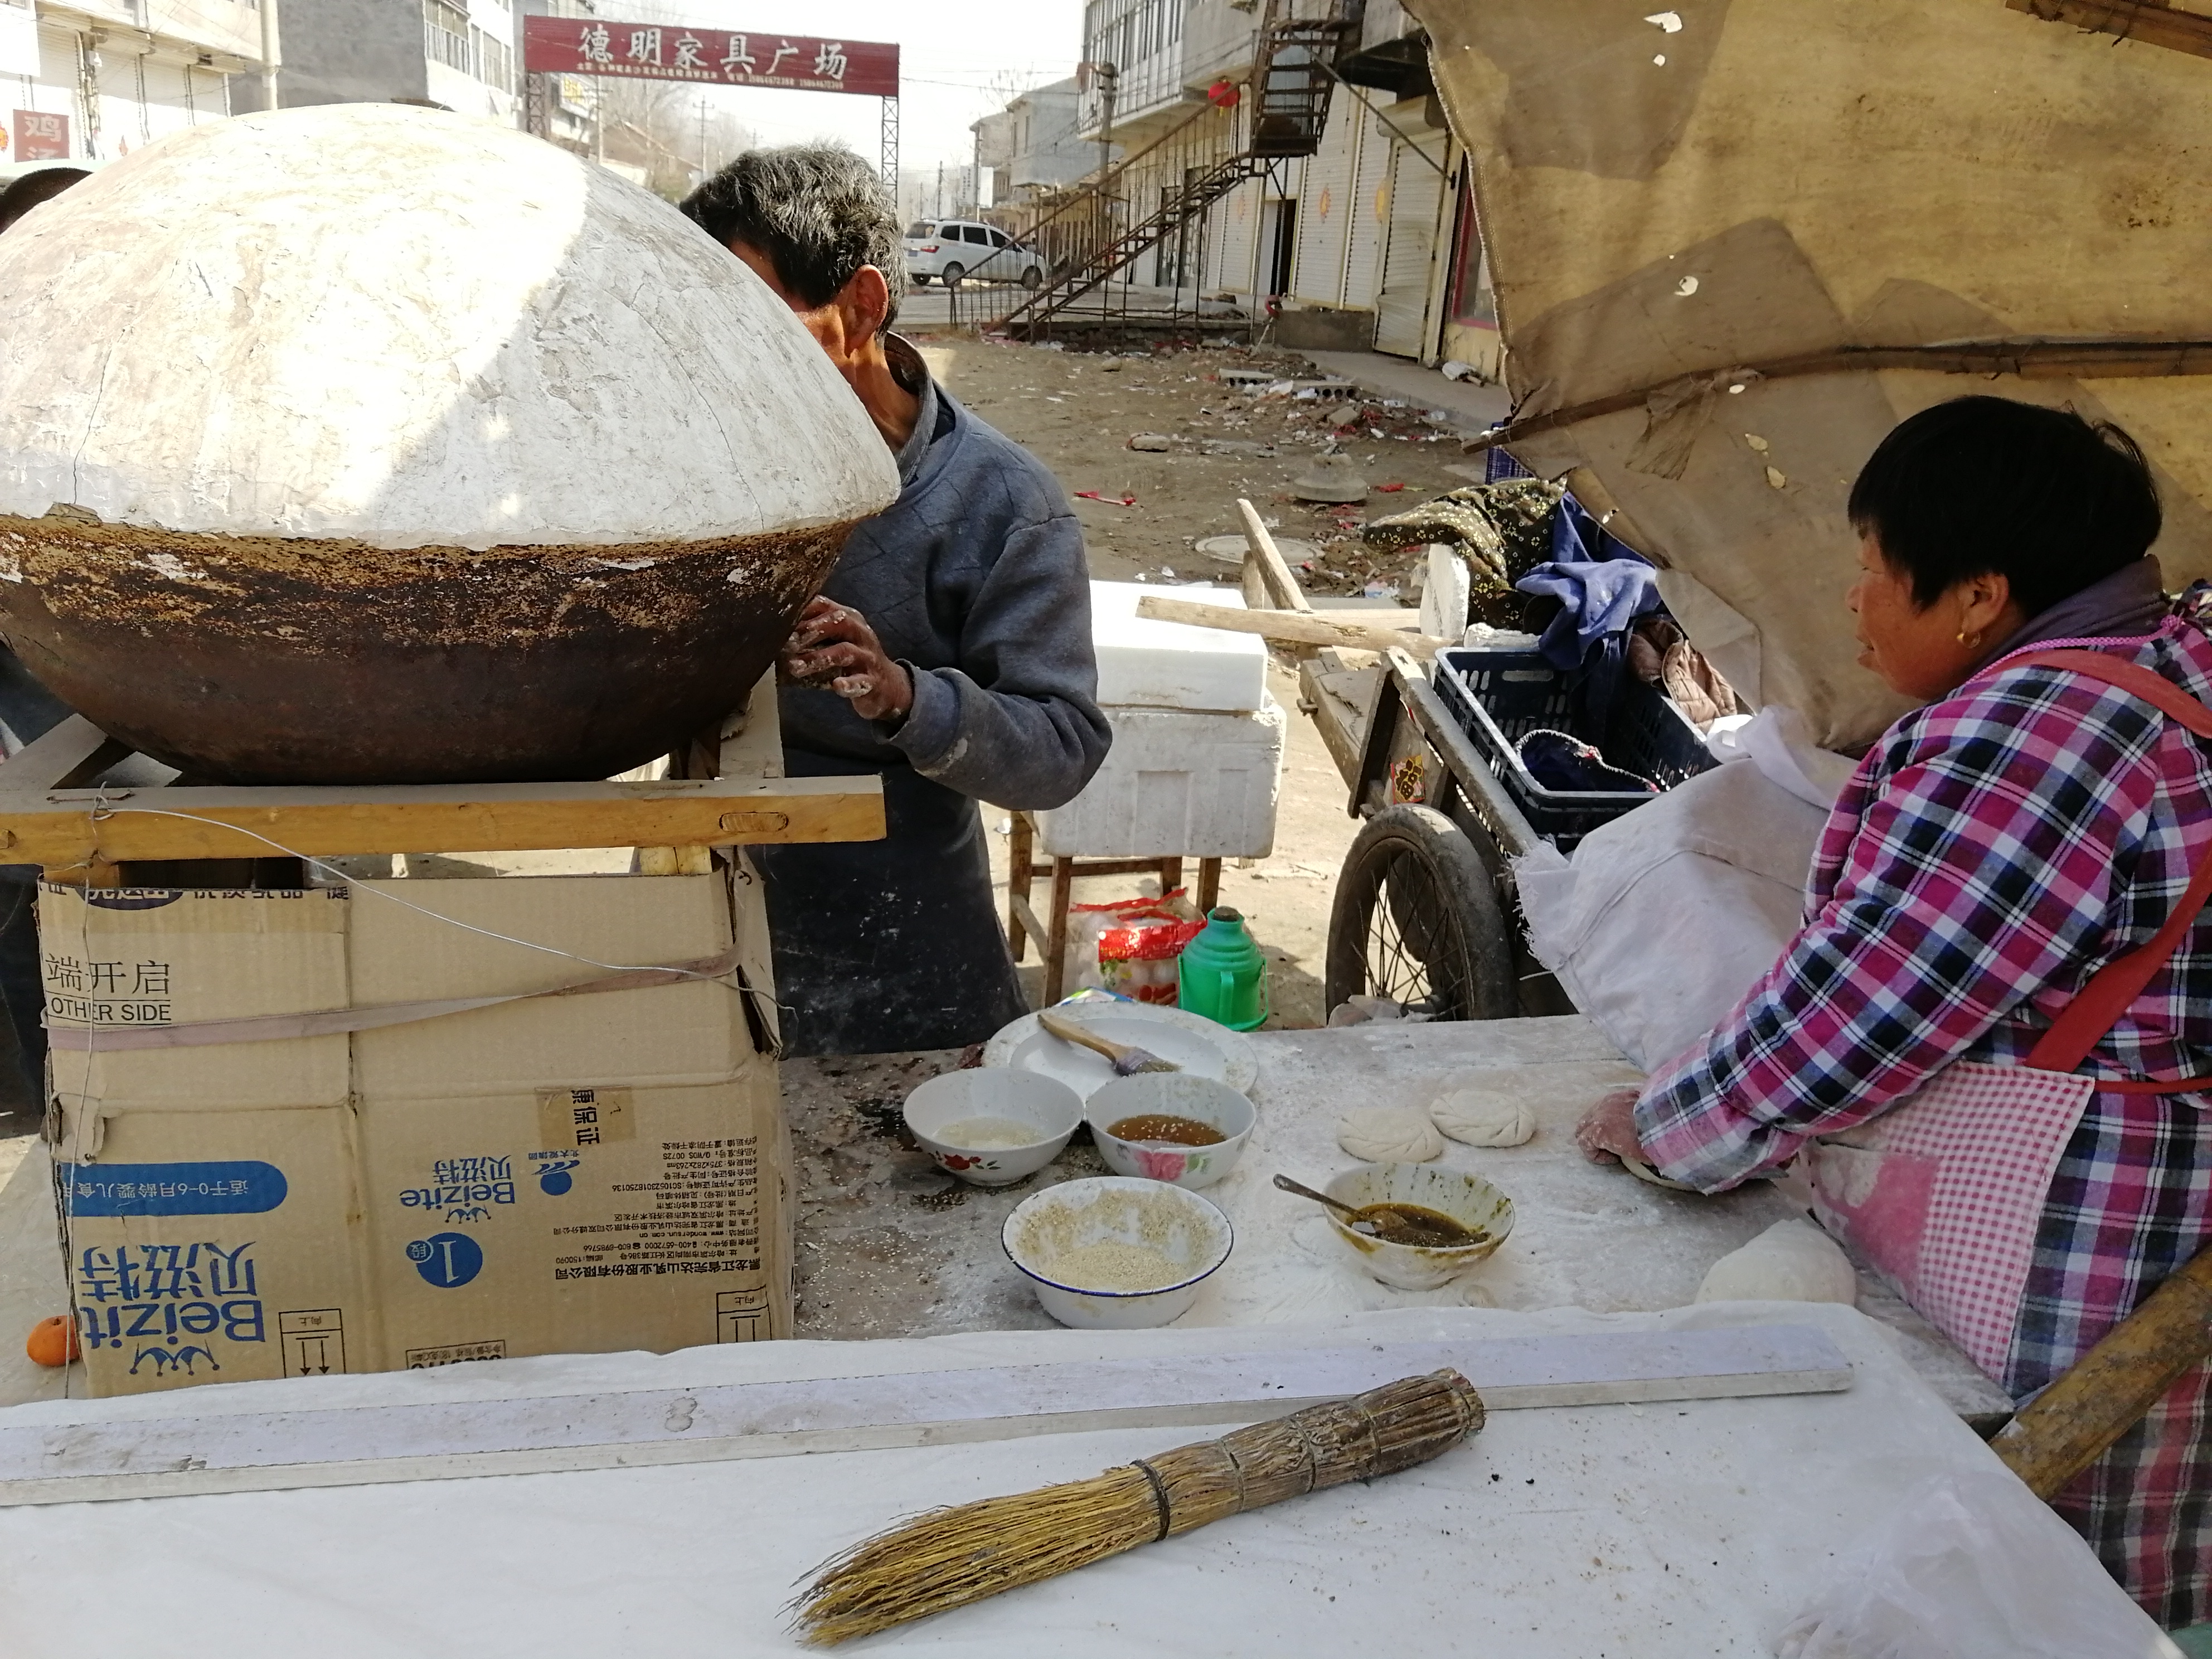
x=1292, y=82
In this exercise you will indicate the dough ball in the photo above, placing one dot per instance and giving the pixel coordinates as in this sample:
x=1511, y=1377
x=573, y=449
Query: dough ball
x=1791, y=1261
x=1503, y=1105
x=1389, y=1135
x=1469, y=1110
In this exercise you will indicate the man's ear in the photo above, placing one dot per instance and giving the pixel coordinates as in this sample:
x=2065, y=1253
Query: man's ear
x=865, y=301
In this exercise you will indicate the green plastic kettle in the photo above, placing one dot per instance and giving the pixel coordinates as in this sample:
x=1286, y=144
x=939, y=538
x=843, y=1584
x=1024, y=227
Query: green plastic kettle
x=1222, y=975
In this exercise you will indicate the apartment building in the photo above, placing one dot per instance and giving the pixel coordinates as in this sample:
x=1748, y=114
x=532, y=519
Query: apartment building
x=1369, y=240
x=461, y=55
x=95, y=79
x=1045, y=145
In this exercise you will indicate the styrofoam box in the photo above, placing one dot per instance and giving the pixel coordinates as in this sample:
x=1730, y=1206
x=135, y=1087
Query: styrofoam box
x=1161, y=665
x=1176, y=785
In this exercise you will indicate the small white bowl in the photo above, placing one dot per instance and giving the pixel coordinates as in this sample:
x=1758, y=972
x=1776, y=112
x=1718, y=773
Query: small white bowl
x=1049, y=1107
x=1173, y=1094
x=1184, y=1227
x=1467, y=1198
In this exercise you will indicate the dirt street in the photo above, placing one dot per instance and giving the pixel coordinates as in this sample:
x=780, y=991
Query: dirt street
x=1076, y=412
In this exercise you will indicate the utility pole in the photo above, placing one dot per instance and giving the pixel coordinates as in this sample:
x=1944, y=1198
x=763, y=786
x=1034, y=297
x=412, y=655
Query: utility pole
x=940, y=190
x=702, y=138
x=271, y=51
x=1109, y=80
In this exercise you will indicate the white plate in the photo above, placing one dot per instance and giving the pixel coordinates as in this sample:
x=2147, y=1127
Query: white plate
x=1193, y=1043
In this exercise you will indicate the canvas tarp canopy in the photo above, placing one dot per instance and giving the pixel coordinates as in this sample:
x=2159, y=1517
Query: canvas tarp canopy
x=1734, y=241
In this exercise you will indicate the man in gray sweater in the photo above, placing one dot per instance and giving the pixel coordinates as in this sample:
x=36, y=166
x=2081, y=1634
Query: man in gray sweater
x=949, y=651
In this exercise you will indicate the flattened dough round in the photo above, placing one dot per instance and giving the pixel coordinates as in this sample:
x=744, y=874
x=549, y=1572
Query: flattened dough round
x=1791, y=1261
x=1389, y=1135
x=1470, y=1107
x=1556, y=1092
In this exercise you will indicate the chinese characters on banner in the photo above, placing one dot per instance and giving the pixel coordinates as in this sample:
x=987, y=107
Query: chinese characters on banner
x=41, y=138
x=666, y=52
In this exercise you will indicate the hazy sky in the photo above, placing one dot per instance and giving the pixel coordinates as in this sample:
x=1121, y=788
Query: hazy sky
x=958, y=61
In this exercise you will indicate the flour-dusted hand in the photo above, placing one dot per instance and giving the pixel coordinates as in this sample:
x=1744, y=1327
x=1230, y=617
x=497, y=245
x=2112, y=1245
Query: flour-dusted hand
x=834, y=647
x=1608, y=1132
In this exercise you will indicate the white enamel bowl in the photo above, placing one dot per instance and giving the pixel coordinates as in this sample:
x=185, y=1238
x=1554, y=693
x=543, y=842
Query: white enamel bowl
x=1048, y=1106
x=1467, y=1198
x=1174, y=1094
x=1184, y=1227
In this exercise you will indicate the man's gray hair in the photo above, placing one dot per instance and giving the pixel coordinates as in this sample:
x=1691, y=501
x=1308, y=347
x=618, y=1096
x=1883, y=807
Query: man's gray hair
x=817, y=211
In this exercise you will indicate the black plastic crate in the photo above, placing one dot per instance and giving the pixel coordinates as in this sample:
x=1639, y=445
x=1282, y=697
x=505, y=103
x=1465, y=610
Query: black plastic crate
x=1498, y=697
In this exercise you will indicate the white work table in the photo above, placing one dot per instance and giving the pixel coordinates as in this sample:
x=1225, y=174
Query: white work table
x=1634, y=1532
x=1659, y=1530
x=888, y=1248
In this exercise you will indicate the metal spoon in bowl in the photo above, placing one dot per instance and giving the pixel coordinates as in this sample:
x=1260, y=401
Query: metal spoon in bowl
x=1393, y=1224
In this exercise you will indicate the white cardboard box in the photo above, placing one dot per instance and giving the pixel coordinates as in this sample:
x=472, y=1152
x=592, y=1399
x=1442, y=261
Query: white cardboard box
x=1162, y=665
x=1176, y=785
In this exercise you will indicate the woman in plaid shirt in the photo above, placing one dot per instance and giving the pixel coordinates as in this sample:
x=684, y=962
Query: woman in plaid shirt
x=2026, y=827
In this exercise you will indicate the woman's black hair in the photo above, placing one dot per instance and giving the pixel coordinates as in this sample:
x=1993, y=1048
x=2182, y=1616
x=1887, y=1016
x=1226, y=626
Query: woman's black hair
x=1981, y=485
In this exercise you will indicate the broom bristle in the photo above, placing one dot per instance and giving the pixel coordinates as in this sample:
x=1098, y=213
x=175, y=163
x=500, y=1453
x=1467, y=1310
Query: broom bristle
x=949, y=1557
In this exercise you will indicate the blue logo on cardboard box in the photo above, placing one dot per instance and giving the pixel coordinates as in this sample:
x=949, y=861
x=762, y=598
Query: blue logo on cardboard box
x=447, y=1261
x=241, y=1187
x=464, y=1187
x=153, y=1295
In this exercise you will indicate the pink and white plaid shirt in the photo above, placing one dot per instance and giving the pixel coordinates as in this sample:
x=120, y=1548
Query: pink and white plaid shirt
x=1992, y=851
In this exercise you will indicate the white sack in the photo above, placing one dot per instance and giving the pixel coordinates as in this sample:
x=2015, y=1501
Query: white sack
x=1965, y=1570
x=1665, y=917
x=1777, y=741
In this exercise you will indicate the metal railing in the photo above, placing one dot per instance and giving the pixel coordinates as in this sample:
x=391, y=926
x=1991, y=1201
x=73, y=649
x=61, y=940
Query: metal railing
x=1094, y=233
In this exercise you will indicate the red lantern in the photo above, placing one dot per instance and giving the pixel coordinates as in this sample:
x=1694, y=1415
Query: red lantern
x=1224, y=95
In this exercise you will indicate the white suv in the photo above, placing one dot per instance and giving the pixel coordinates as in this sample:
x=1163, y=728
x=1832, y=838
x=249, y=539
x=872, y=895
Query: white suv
x=950, y=249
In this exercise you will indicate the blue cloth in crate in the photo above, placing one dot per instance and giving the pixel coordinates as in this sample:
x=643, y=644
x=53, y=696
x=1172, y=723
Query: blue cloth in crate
x=1557, y=760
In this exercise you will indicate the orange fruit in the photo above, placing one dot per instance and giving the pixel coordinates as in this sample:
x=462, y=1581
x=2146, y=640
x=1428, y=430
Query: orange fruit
x=53, y=1340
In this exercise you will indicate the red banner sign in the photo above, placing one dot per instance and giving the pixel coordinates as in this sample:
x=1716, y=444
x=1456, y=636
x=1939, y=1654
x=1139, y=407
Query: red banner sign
x=41, y=137
x=667, y=51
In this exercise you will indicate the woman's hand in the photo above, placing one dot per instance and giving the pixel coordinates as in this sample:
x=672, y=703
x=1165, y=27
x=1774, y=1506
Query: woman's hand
x=1608, y=1132
x=833, y=646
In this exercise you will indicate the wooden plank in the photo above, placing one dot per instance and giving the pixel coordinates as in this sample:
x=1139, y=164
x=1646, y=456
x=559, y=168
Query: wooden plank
x=1289, y=627
x=196, y=1446
x=2154, y=22
x=1275, y=572
x=66, y=828
x=1330, y=718
x=74, y=752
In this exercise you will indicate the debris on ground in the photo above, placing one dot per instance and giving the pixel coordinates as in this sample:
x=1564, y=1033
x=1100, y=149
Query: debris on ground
x=1241, y=421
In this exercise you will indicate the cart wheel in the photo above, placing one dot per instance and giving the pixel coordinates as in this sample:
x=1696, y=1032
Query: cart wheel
x=1416, y=919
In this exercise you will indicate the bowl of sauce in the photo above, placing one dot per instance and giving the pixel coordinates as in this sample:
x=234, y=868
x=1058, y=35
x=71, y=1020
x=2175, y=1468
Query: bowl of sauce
x=1420, y=1226
x=1169, y=1126
x=993, y=1127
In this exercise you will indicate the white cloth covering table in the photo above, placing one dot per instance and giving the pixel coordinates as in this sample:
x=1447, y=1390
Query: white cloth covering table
x=1621, y=1532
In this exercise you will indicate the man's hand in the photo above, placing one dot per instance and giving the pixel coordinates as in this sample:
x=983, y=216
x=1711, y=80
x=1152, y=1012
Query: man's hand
x=1608, y=1132
x=834, y=647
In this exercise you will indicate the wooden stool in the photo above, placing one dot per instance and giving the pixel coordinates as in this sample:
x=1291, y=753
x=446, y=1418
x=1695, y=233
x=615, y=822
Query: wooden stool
x=1022, y=923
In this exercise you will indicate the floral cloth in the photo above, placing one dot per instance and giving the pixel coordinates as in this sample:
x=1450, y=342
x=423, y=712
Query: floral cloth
x=1992, y=851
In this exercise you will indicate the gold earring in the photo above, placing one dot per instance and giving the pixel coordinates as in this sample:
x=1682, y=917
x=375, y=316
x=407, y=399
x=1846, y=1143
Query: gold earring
x=1969, y=643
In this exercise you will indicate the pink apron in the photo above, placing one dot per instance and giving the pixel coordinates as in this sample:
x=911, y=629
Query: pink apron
x=1943, y=1194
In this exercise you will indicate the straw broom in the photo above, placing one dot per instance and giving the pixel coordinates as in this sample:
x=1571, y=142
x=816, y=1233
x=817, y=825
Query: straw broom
x=952, y=1557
